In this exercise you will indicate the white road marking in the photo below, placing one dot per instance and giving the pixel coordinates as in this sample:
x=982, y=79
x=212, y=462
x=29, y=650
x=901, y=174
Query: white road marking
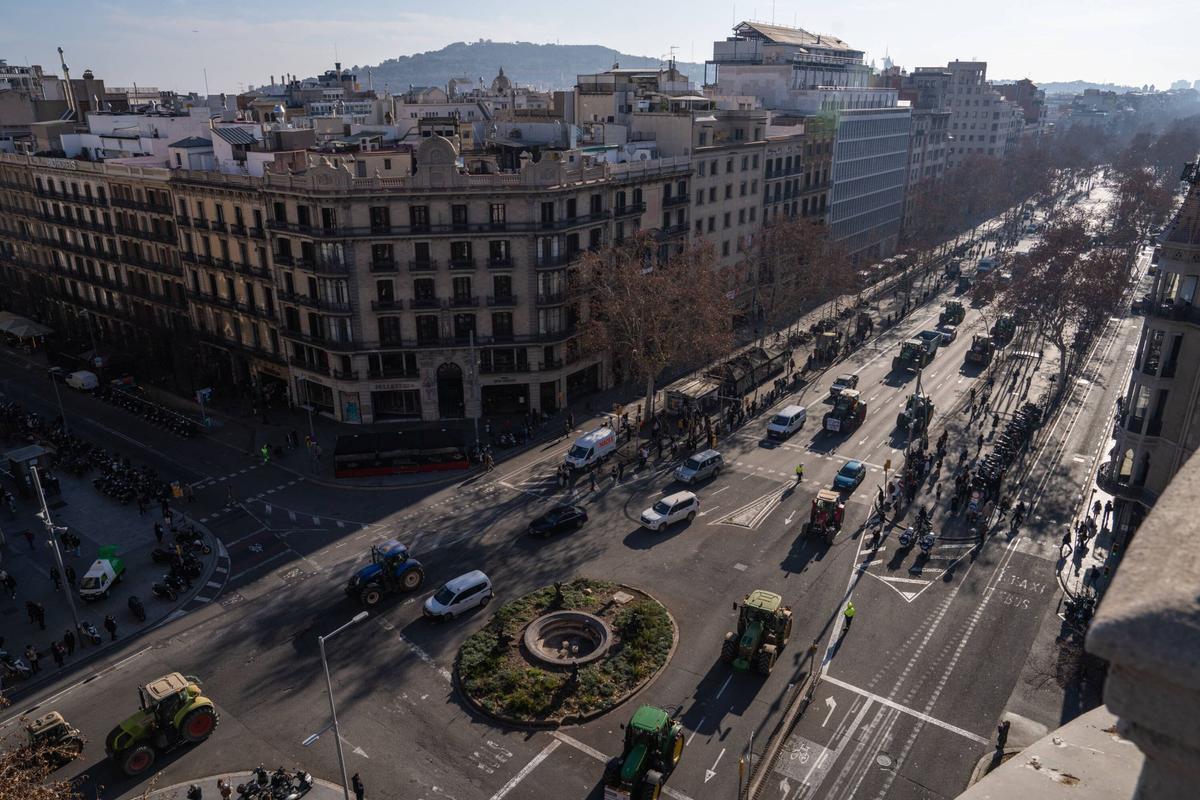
x=906, y=710
x=316, y=520
x=528, y=768
x=718, y=491
x=603, y=759
x=721, y=691
x=267, y=507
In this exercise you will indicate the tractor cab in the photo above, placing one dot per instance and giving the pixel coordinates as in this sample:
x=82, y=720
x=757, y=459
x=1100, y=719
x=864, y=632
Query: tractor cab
x=826, y=516
x=653, y=747
x=952, y=314
x=162, y=698
x=764, y=627
x=918, y=410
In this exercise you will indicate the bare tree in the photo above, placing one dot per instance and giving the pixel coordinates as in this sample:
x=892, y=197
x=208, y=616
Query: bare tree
x=1063, y=286
x=648, y=314
x=24, y=770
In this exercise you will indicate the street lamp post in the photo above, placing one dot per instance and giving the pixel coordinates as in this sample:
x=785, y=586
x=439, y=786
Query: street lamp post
x=52, y=541
x=337, y=734
x=61, y=411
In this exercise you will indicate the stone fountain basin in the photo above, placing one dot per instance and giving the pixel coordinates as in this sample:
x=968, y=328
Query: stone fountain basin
x=545, y=635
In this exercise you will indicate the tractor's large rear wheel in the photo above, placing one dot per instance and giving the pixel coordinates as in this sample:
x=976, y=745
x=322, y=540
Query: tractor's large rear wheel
x=199, y=724
x=787, y=633
x=676, y=749
x=729, y=650
x=137, y=760
x=412, y=578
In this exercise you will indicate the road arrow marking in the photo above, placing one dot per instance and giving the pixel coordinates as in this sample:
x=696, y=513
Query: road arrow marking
x=829, y=701
x=709, y=511
x=709, y=774
x=789, y=518
x=785, y=788
x=358, y=751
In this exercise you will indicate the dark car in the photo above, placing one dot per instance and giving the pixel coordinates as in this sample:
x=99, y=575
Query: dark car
x=558, y=520
x=850, y=476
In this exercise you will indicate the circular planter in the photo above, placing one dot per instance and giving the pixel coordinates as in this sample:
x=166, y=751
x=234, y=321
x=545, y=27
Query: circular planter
x=566, y=653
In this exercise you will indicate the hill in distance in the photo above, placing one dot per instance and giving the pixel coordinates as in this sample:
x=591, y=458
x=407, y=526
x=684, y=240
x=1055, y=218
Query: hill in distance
x=543, y=66
x=1078, y=87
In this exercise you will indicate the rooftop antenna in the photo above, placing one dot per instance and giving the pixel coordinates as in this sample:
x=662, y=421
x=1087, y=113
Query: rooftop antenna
x=205, y=82
x=772, y=12
x=67, y=81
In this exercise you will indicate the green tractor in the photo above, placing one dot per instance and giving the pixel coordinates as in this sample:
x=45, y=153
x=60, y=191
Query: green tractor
x=914, y=354
x=764, y=627
x=173, y=712
x=952, y=314
x=918, y=411
x=653, y=747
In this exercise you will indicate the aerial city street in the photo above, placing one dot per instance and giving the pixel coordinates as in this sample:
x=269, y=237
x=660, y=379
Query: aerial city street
x=752, y=429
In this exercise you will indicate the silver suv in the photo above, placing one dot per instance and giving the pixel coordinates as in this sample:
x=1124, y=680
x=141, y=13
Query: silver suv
x=705, y=464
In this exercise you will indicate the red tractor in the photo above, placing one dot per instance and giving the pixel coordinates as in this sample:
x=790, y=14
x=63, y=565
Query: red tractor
x=826, y=516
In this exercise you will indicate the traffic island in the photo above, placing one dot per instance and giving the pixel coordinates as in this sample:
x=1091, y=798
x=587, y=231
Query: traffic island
x=565, y=653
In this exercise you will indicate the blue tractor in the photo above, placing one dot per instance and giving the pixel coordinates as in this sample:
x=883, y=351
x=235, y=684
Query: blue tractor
x=391, y=571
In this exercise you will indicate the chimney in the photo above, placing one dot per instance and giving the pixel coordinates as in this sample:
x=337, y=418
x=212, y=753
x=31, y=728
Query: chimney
x=272, y=80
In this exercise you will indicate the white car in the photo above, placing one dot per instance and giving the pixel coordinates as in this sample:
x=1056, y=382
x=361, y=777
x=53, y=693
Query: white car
x=83, y=380
x=459, y=595
x=949, y=332
x=669, y=510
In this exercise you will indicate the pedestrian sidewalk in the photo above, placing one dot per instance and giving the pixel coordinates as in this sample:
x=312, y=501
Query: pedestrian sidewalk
x=321, y=790
x=98, y=521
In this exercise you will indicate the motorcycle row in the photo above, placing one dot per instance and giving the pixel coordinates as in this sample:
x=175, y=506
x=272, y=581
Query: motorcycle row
x=155, y=413
x=277, y=785
x=990, y=470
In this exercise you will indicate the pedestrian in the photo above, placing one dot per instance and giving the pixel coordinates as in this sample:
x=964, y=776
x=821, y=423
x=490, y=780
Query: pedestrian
x=165, y=505
x=69, y=641
x=59, y=653
x=10, y=585
x=1066, y=541
x=75, y=541
x=620, y=471
x=224, y=788
x=799, y=473
x=70, y=573
x=57, y=578
x=1108, y=507
x=592, y=475
x=31, y=655
x=1096, y=507
x=29, y=538
x=110, y=625
x=158, y=532
x=31, y=611
x=357, y=784
x=266, y=453
x=848, y=614
x=229, y=498
x=141, y=504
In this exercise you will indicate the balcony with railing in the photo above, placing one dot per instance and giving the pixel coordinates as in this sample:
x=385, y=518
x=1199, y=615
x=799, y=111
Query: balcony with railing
x=463, y=301
x=502, y=300
x=421, y=303
x=138, y=205
x=296, y=298
x=383, y=265
x=629, y=209
x=387, y=305
x=500, y=263
x=309, y=366
x=425, y=265
x=462, y=263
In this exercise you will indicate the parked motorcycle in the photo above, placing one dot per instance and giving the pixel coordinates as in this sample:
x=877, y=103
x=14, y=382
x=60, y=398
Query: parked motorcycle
x=14, y=667
x=926, y=542
x=907, y=537
x=89, y=630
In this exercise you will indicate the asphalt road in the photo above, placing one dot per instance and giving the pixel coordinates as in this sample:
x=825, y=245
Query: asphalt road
x=910, y=695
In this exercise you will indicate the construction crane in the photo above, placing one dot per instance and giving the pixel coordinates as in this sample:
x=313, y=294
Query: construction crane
x=67, y=81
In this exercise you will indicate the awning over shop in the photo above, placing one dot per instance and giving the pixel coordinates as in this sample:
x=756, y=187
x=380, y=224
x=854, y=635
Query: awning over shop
x=21, y=327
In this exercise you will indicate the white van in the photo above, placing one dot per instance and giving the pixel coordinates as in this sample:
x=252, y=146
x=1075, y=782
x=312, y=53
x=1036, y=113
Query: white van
x=591, y=448
x=83, y=380
x=461, y=594
x=787, y=422
x=669, y=510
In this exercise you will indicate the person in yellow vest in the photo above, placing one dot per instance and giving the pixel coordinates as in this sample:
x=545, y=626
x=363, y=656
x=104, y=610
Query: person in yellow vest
x=849, y=614
x=266, y=453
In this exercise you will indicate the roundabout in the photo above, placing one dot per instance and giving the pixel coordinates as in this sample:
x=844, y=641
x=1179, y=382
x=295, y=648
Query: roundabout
x=565, y=653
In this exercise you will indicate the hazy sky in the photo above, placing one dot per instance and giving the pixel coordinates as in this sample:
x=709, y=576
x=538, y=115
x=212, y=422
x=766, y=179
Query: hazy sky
x=169, y=43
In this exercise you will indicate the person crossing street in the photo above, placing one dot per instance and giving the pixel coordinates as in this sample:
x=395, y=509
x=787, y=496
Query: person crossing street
x=799, y=473
x=848, y=614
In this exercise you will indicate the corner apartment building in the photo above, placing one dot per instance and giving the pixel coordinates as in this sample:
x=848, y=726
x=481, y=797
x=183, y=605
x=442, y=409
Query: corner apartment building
x=1160, y=427
x=808, y=74
x=435, y=294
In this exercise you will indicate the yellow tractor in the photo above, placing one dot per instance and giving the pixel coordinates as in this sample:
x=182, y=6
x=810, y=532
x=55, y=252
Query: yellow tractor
x=172, y=712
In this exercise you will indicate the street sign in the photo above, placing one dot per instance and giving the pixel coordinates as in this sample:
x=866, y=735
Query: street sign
x=887, y=464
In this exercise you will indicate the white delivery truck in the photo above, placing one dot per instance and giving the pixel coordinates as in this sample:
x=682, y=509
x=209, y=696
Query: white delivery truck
x=591, y=448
